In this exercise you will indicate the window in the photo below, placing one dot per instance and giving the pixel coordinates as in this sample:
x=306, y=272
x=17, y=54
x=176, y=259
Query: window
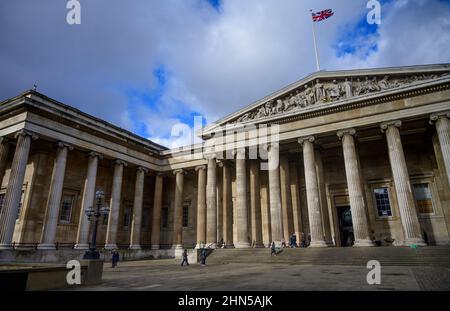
x=20, y=204
x=105, y=219
x=2, y=201
x=145, y=219
x=382, y=202
x=66, y=208
x=165, y=217
x=422, y=194
x=127, y=217
x=185, y=215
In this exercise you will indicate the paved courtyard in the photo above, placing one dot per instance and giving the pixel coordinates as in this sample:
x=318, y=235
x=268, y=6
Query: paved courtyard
x=169, y=275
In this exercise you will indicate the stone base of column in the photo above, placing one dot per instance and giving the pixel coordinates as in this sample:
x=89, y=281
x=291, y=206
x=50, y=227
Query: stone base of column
x=229, y=245
x=110, y=246
x=135, y=246
x=48, y=246
x=241, y=245
x=418, y=242
x=330, y=243
x=81, y=246
x=318, y=244
x=211, y=245
x=363, y=243
x=155, y=247
x=177, y=246
x=6, y=247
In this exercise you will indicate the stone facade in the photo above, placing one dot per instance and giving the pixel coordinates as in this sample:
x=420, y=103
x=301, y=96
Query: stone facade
x=361, y=158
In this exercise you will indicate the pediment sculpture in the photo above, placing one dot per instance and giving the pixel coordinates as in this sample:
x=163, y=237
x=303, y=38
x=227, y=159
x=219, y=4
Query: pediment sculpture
x=329, y=91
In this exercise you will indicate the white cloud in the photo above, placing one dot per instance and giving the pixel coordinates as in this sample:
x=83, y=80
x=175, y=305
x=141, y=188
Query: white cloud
x=218, y=63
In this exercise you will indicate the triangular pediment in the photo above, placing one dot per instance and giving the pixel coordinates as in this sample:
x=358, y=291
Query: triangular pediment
x=324, y=88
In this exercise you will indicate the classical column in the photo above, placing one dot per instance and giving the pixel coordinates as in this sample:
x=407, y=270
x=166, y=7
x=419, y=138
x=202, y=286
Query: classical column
x=323, y=197
x=157, y=205
x=178, y=210
x=286, y=200
x=227, y=206
x=4, y=150
x=13, y=194
x=355, y=189
x=201, y=205
x=274, y=194
x=296, y=206
x=265, y=208
x=405, y=198
x=312, y=193
x=54, y=199
x=87, y=201
x=442, y=123
x=219, y=181
x=241, y=201
x=255, y=204
x=113, y=220
x=136, y=222
x=211, y=203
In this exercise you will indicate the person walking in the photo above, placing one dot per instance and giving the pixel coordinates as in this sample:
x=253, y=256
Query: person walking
x=273, y=251
x=185, y=258
x=203, y=257
x=114, y=258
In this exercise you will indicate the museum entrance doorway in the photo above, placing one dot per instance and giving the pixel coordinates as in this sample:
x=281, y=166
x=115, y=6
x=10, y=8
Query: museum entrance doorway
x=345, y=226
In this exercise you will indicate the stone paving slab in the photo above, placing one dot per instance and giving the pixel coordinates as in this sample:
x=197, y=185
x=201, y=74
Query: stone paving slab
x=169, y=275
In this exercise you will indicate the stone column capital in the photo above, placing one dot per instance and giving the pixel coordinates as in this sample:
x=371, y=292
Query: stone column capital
x=62, y=144
x=438, y=115
x=385, y=125
x=120, y=162
x=142, y=169
x=94, y=154
x=239, y=154
x=179, y=171
x=268, y=146
x=200, y=167
x=301, y=140
x=349, y=131
x=24, y=132
x=4, y=140
x=210, y=156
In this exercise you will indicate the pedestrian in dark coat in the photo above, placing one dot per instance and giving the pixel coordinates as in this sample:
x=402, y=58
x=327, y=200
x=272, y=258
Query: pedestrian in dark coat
x=273, y=251
x=203, y=257
x=114, y=258
x=185, y=258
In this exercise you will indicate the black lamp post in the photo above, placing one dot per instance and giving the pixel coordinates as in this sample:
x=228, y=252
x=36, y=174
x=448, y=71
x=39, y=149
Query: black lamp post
x=94, y=215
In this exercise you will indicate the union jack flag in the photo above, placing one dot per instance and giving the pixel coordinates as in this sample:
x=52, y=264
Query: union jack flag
x=322, y=15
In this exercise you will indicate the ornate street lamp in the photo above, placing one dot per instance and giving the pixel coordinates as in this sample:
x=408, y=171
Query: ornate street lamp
x=94, y=215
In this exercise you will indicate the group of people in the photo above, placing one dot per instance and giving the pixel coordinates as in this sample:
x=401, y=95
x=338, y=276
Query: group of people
x=203, y=255
x=304, y=242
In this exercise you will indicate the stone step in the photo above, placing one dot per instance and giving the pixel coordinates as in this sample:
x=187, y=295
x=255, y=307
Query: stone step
x=431, y=256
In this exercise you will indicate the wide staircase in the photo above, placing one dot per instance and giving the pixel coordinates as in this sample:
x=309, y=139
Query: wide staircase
x=387, y=256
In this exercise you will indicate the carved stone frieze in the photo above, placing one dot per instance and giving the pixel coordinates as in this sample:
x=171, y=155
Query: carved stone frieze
x=329, y=91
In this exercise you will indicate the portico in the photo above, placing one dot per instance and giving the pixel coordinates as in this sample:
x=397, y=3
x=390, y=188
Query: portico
x=295, y=162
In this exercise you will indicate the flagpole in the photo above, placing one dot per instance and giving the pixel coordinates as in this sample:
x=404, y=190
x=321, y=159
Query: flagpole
x=315, y=43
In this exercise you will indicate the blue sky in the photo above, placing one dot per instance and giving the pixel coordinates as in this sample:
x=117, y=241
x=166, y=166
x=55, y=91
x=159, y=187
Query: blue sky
x=147, y=65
